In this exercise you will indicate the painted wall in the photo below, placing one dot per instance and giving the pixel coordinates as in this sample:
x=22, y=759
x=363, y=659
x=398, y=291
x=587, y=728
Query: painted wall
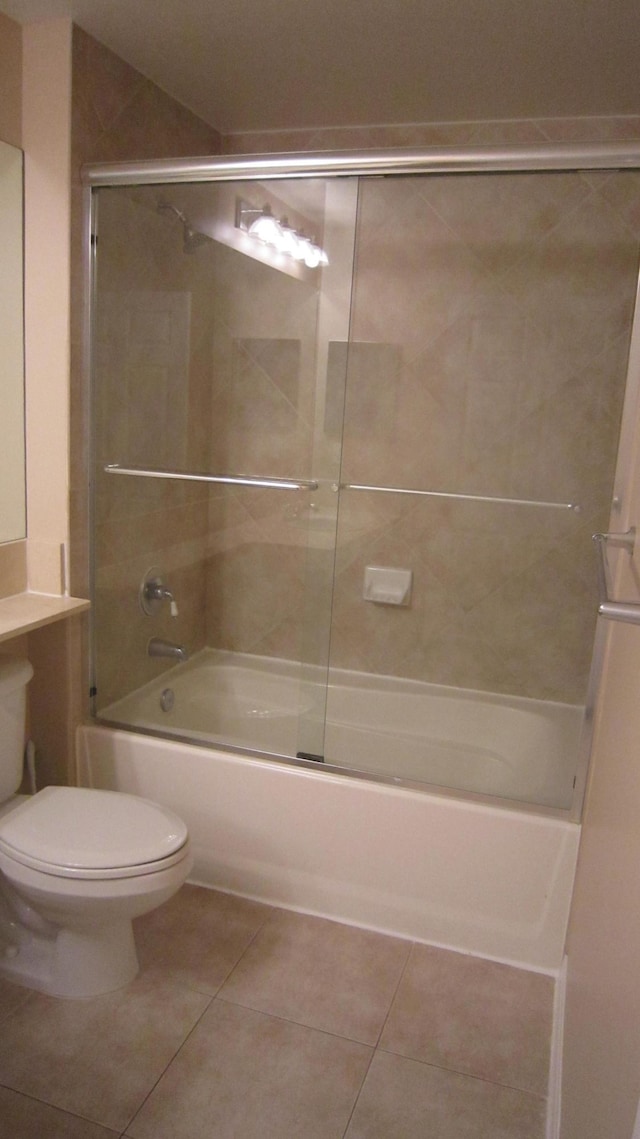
x=46, y=123
x=13, y=555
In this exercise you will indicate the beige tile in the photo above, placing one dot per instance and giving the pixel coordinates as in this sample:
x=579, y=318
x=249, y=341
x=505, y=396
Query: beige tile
x=11, y=996
x=98, y=1058
x=25, y=1118
x=403, y=1099
x=473, y=1016
x=242, y=1073
x=320, y=973
x=198, y=936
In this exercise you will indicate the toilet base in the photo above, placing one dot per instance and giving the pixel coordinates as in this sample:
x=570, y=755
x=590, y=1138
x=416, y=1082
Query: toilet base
x=73, y=962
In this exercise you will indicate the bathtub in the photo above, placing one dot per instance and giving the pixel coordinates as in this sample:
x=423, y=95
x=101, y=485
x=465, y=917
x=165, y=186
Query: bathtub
x=482, y=878
x=505, y=747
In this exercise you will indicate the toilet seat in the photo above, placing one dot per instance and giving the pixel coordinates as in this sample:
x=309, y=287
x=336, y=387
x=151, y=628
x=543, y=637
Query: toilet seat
x=76, y=832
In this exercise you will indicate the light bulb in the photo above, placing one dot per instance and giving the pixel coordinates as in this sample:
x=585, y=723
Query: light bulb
x=312, y=256
x=290, y=242
x=304, y=248
x=266, y=228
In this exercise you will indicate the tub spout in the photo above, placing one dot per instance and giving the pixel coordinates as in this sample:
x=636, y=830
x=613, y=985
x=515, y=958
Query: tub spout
x=157, y=647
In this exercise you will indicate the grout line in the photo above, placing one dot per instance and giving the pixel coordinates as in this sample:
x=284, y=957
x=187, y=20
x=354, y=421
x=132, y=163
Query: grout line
x=360, y=1090
x=395, y=992
x=212, y=998
x=376, y=1047
x=169, y=1063
x=246, y=949
x=467, y=1075
x=62, y=1111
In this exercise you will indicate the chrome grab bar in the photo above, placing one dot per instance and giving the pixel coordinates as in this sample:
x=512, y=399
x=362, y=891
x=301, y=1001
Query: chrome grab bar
x=574, y=506
x=628, y=611
x=225, y=480
x=312, y=484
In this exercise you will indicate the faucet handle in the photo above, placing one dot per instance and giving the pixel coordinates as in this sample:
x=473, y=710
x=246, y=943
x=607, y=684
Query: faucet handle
x=153, y=592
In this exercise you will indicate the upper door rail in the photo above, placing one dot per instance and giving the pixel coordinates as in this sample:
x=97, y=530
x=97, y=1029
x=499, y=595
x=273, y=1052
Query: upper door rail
x=429, y=160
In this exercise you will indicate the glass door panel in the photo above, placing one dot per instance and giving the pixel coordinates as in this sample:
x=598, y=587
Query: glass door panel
x=487, y=364
x=214, y=515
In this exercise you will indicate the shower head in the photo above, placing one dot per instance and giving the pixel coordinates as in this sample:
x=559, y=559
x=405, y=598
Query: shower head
x=192, y=239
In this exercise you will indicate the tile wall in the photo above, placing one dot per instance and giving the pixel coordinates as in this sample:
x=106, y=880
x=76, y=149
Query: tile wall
x=490, y=328
x=119, y=115
x=509, y=301
x=262, y=408
x=497, y=372
x=153, y=334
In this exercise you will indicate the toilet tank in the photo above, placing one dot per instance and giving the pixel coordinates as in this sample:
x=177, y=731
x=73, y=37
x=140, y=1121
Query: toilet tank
x=14, y=677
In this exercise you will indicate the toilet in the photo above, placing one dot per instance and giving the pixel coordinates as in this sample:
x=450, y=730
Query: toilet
x=76, y=866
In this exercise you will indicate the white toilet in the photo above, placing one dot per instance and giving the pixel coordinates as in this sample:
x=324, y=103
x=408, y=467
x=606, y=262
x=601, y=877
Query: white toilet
x=76, y=865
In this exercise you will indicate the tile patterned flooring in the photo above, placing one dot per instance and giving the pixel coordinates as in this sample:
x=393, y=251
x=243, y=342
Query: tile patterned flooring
x=250, y=1022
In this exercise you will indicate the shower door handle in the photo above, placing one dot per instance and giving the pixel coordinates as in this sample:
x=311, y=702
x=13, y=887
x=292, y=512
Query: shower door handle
x=626, y=611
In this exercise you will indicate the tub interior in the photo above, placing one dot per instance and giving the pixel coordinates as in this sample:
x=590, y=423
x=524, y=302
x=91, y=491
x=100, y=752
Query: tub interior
x=426, y=734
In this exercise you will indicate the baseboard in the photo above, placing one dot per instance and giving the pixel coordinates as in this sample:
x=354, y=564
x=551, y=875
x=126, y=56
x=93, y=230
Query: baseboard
x=554, y=1100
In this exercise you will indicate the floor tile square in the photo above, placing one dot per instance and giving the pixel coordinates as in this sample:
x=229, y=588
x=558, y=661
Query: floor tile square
x=25, y=1118
x=11, y=996
x=320, y=973
x=405, y=1099
x=198, y=936
x=244, y=1074
x=473, y=1016
x=98, y=1058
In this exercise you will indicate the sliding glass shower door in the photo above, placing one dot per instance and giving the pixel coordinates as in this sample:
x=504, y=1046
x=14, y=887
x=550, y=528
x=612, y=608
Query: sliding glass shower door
x=491, y=321
x=217, y=421
x=351, y=439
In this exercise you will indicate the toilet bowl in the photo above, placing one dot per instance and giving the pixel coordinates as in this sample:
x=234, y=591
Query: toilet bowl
x=76, y=866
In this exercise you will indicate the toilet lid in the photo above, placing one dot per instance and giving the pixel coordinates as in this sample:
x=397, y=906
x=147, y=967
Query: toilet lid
x=82, y=829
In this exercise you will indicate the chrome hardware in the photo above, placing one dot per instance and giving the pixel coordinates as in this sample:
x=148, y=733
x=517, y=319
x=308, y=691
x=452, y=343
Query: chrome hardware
x=627, y=611
x=153, y=592
x=157, y=647
x=573, y=506
x=226, y=480
x=625, y=541
x=167, y=699
x=443, y=160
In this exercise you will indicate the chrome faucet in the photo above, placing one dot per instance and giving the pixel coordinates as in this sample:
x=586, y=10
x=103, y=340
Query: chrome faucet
x=157, y=647
x=153, y=592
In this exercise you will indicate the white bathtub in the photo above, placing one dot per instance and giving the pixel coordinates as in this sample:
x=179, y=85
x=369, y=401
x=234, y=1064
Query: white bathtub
x=485, y=879
x=507, y=747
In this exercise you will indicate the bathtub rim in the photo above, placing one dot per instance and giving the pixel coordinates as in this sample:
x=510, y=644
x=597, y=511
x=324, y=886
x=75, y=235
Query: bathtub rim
x=358, y=678
x=565, y=814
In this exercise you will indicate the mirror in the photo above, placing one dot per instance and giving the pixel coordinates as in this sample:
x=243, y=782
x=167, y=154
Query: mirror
x=12, y=445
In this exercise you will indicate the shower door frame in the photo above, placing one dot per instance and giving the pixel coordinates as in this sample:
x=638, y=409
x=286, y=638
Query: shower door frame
x=517, y=158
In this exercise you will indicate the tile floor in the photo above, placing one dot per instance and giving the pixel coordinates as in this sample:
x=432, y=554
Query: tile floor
x=249, y=1022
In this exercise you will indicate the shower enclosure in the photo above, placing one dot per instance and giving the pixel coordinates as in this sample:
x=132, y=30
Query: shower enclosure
x=355, y=420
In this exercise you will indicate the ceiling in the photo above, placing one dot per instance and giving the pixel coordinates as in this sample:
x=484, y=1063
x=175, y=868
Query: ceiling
x=285, y=64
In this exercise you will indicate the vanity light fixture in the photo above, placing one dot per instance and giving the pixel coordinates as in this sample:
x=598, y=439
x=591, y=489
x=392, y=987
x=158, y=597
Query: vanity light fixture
x=279, y=235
